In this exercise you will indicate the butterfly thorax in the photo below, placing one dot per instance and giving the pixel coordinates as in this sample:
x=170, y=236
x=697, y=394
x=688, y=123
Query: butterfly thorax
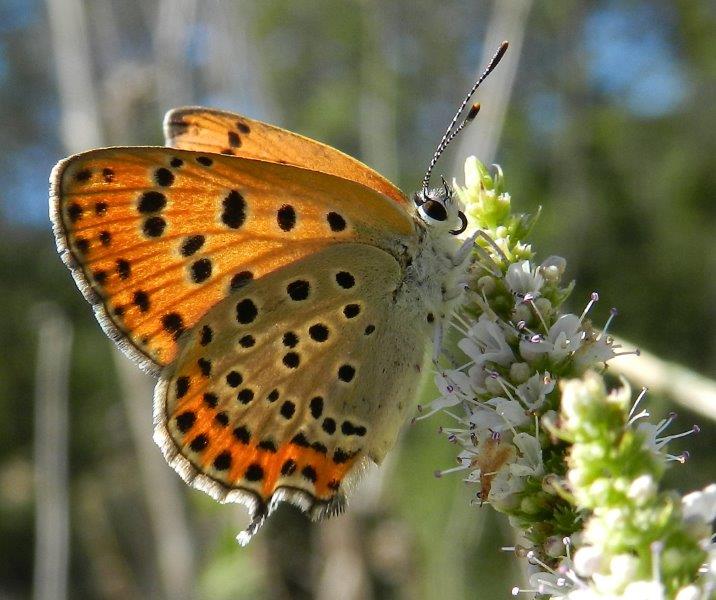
x=431, y=278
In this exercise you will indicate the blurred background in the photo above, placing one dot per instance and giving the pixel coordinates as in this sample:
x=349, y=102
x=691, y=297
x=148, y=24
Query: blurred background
x=602, y=112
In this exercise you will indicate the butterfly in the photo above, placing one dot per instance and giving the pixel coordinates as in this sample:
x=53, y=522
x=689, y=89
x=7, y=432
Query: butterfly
x=283, y=293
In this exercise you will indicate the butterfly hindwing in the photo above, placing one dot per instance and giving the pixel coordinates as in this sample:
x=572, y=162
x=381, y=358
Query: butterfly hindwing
x=283, y=387
x=207, y=130
x=157, y=236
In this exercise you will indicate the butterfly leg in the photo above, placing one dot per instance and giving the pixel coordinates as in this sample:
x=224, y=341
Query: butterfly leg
x=464, y=250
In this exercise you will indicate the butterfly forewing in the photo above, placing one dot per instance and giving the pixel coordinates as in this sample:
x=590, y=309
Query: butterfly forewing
x=289, y=382
x=157, y=236
x=207, y=130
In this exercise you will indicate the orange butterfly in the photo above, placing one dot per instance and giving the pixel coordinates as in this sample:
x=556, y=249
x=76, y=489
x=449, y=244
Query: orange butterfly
x=282, y=291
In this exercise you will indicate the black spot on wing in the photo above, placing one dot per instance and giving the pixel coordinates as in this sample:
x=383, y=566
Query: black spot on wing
x=192, y=245
x=335, y=221
x=164, y=177
x=298, y=290
x=154, y=226
x=246, y=311
x=286, y=217
x=241, y=279
x=200, y=270
x=151, y=201
x=234, y=210
x=173, y=324
x=124, y=269
x=234, y=139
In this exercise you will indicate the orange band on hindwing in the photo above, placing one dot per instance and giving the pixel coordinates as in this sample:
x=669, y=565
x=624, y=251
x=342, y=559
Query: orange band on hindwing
x=236, y=458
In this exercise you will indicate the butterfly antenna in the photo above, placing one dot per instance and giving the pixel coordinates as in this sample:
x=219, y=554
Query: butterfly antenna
x=451, y=132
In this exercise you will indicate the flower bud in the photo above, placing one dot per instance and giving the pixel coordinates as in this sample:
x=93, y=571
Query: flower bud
x=554, y=546
x=544, y=306
x=519, y=372
x=493, y=386
x=522, y=312
x=486, y=284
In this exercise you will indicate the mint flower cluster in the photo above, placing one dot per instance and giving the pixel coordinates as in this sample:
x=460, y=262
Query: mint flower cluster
x=636, y=542
x=499, y=377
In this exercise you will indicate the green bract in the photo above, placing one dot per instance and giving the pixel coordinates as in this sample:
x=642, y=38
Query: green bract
x=613, y=476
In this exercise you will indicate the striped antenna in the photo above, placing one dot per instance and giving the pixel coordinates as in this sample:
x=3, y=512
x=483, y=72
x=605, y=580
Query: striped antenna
x=452, y=131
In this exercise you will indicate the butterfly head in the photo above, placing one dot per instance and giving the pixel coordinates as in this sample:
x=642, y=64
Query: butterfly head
x=438, y=209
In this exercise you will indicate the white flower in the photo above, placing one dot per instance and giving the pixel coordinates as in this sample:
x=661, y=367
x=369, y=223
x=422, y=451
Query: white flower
x=530, y=460
x=642, y=489
x=511, y=411
x=504, y=487
x=549, y=583
x=564, y=337
x=534, y=390
x=644, y=590
x=485, y=342
x=592, y=352
x=579, y=395
x=476, y=376
x=484, y=418
x=700, y=505
x=623, y=568
x=552, y=268
x=587, y=560
x=453, y=383
x=522, y=279
x=690, y=592
x=452, y=393
x=657, y=443
x=472, y=174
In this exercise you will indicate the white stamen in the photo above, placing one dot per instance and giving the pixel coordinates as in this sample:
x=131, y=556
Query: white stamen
x=613, y=312
x=656, y=549
x=639, y=398
x=594, y=298
x=439, y=474
x=665, y=440
x=635, y=352
x=640, y=415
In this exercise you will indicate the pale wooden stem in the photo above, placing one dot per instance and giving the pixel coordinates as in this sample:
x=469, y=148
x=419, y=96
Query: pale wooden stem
x=52, y=518
x=171, y=37
x=677, y=382
x=377, y=102
x=80, y=118
x=168, y=519
x=508, y=21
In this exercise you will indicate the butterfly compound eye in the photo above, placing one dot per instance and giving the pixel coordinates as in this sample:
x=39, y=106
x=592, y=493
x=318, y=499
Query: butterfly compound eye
x=432, y=209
